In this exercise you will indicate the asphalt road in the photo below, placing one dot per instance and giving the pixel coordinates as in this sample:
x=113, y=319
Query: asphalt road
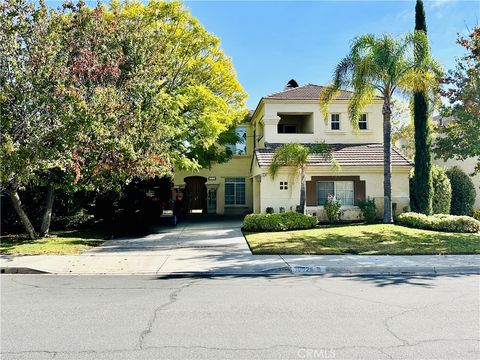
x=294, y=317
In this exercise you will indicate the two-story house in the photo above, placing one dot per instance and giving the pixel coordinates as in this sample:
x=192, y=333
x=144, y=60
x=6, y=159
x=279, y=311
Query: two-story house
x=293, y=115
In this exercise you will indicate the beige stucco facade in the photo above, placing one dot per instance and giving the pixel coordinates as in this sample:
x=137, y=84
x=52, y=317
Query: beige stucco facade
x=261, y=191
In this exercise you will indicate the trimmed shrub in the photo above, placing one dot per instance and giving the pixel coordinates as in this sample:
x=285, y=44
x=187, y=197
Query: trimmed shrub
x=369, y=210
x=439, y=222
x=463, y=192
x=476, y=214
x=442, y=191
x=269, y=210
x=289, y=220
x=332, y=207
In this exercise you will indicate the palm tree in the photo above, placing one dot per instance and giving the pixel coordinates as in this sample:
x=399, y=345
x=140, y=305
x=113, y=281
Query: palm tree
x=386, y=66
x=295, y=156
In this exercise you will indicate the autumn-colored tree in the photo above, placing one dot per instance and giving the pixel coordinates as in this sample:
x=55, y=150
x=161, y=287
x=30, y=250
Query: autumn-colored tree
x=460, y=137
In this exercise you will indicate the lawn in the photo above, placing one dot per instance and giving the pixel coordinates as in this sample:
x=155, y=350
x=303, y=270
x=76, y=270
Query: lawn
x=58, y=243
x=377, y=239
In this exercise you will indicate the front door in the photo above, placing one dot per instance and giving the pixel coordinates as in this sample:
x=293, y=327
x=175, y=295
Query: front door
x=196, y=193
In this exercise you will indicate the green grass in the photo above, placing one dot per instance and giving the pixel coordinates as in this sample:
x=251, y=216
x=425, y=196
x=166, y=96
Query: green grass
x=378, y=239
x=58, y=243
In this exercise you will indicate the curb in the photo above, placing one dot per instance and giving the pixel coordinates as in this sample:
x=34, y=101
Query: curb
x=285, y=271
x=21, y=270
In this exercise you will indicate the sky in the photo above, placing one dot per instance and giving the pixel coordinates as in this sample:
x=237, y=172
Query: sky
x=272, y=42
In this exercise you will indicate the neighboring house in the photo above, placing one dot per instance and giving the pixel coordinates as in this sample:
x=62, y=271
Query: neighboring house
x=466, y=165
x=293, y=115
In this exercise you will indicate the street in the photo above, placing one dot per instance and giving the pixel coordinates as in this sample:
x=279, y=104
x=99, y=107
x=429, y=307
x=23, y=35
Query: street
x=240, y=317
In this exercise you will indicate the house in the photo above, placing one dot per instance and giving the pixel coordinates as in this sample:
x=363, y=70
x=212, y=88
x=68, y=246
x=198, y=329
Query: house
x=293, y=115
x=467, y=165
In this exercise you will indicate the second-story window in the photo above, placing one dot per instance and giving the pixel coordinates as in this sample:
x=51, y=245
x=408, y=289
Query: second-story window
x=240, y=148
x=362, y=122
x=335, y=122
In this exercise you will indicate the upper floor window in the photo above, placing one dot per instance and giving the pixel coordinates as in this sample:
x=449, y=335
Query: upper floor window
x=362, y=122
x=240, y=148
x=335, y=121
x=287, y=129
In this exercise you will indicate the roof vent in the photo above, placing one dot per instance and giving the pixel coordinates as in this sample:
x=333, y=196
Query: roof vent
x=291, y=84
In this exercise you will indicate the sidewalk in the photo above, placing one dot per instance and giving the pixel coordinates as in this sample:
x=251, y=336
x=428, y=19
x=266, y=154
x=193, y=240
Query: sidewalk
x=218, y=247
x=188, y=262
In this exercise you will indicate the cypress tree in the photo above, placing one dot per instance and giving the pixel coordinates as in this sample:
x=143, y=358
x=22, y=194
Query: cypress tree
x=423, y=186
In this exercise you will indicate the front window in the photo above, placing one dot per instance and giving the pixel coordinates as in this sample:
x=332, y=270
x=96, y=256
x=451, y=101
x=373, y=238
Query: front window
x=234, y=191
x=362, y=122
x=240, y=148
x=335, y=121
x=343, y=190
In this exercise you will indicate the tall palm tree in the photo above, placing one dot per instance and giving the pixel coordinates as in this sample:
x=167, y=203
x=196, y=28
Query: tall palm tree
x=383, y=66
x=295, y=157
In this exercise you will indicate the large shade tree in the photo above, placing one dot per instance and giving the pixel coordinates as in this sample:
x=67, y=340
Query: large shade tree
x=100, y=96
x=382, y=66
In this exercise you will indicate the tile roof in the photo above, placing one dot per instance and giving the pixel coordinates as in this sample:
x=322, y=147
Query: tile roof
x=344, y=154
x=308, y=92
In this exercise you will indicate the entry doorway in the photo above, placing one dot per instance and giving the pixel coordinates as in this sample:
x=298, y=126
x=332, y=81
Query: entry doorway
x=196, y=194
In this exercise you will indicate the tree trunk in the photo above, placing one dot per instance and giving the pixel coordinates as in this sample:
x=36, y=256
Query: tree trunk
x=17, y=205
x=47, y=215
x=387, y=162
x=302, y=191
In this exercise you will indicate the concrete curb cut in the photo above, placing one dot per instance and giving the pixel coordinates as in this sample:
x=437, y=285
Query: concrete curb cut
x=292, y=270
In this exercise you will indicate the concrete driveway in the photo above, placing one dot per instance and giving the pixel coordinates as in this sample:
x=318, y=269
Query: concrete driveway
x=198, y=244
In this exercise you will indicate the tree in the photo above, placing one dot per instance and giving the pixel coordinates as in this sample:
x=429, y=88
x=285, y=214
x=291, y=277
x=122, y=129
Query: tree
x=460, y=138
x=295, y=156
x=385, y=65
x=402, y=128
x=36, y=128
x=423, y=156
x=138, y=90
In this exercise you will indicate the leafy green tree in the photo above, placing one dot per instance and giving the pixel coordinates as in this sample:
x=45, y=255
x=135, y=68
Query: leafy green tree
x=137, y=90
x=460, y=139
x=36, y=126
x=423, y=141
x=295, y=157
x=384, y=65
x=442, y=191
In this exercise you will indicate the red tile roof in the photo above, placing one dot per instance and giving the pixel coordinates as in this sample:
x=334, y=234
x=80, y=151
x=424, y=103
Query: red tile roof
x=308, y=92
x=344, y=154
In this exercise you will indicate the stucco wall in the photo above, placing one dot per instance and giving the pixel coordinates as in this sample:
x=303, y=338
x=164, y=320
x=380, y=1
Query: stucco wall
x=272, y=196
x=467, y=165
x=321, y=130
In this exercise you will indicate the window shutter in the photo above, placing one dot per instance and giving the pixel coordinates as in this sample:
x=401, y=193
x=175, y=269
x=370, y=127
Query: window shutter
x=311, y=193
x=359, y=191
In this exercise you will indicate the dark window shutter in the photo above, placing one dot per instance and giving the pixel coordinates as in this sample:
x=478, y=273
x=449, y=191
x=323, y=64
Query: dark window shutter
x=359, y=190
x=311, y=198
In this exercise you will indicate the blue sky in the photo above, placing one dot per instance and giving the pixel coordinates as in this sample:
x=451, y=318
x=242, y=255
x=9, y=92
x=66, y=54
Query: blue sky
x=274, y=41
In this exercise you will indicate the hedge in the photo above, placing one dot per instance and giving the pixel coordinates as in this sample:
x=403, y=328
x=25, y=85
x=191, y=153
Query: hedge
x=442, y=191
x=289, y=220
x=440, y=222
x=463, y=192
